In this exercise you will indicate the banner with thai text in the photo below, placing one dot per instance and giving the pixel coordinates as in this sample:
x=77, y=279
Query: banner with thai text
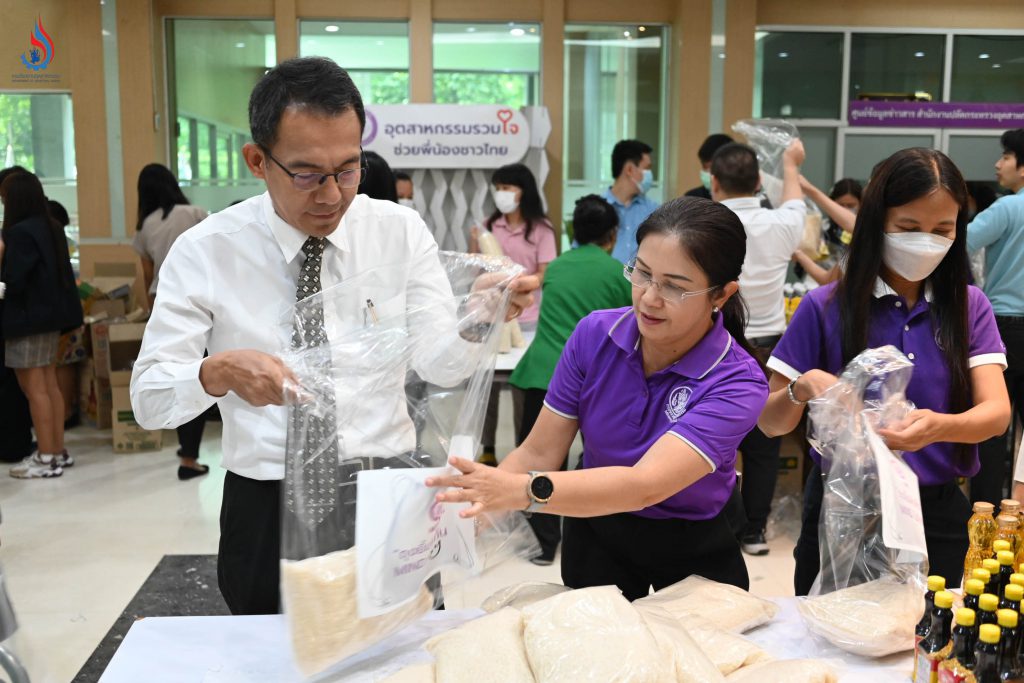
x=936, y=114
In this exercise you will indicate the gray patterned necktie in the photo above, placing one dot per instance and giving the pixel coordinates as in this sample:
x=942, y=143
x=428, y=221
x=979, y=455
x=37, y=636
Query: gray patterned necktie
x=312, y=439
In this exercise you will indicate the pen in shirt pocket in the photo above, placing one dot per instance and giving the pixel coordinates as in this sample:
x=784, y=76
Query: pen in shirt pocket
x=371, y=311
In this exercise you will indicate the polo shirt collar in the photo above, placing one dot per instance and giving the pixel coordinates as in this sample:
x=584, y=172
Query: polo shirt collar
x=290, y=239
x=883, y=289
x=696, y=364
x=742, y=203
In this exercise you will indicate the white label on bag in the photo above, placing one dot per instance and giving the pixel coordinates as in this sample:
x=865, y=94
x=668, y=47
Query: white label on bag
x=902, y=521
x=403, y=536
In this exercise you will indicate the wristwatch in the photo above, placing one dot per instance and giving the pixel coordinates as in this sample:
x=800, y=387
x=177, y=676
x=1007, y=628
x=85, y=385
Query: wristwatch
x=539, y=489
x=792, y=394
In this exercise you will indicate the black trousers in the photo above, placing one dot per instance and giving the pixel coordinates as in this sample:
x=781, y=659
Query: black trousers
x=190, y=435
x=636, y=553
x=547, y=528
x=993, y=482
x=248, y=569
x=760, y=459
x=945, y=510
x=16, y=421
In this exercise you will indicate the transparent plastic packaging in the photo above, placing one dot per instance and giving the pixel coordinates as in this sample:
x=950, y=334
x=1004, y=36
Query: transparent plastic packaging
x=522, y=595
x=690, y=661
x=769, y=138
x=400, y=382
x=725, y=606
x=486, y=649
x=788, y=670
x=867, y=596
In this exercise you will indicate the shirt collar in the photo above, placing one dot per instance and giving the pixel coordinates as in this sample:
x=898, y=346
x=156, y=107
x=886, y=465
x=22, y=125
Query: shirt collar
x=698, y=361
x=290, y=239
x=742, y=203
x=883, y=289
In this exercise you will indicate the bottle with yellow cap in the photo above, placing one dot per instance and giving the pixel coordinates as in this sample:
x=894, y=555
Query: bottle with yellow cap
x=983, y=576
x=973, y=588
x=981, y=531
x=935, y=584
x=1017, y=579
x=1009, y=642
x=1005, y=559
x=935, y=646
x=986, y=654
x=958, y=665
x=991, y=565
x=1000, y=545
x=987, y=606
x=1012, y=596
x=1008, y=529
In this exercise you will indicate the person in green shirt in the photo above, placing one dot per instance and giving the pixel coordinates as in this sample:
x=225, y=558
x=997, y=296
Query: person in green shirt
x=578, y=282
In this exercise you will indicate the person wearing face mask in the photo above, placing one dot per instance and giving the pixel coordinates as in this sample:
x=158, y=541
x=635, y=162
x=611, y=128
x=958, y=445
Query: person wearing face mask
x=404, y=189
x=662, y=392
x=905, y=284
x=631, y=168
x=711, y=144
x=840, y=205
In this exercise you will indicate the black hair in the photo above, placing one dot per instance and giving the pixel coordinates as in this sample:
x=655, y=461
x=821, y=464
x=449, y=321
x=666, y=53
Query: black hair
x=714, y=238
x=846, y=186
x=24, y=198
x=712, y=144
x=1013, y=143
x=11, y=170
x=628, y=150
x=58, y=213
x=378, y=180
x=735, y=167
x=158, y=189
x=904, y=177
x=402, y=175
x=529, y=202
x=594, y=220
x=316, y=84
x=982, y=194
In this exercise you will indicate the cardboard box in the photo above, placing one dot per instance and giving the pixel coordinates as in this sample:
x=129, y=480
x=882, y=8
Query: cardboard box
x=128, y=436
x=115, y=346
x=792, y=453
x=95, y=400
x=114, y=280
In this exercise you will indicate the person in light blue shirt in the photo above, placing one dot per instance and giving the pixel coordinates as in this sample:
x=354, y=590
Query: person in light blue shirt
x=1000, y=230
x=631, y=168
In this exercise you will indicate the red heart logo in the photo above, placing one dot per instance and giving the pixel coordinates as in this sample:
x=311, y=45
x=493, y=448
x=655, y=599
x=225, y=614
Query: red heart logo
x=505, y=115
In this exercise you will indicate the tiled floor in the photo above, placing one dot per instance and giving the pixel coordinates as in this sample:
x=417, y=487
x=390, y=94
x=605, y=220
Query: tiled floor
x=75, y=549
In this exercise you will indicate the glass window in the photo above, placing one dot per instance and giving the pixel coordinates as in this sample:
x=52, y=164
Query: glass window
x=798, y=75
x=975, y=154
x=487, y=64
x=37, y=132
x=614, y=90
x=987, y=68
x=820, y=166
x=864, y=150
x=213, y=65
x=375, y=54
x=896, y=66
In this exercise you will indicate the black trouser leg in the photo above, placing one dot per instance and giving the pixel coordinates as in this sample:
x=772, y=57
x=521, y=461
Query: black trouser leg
x=547, y=528
x=190, y=436
x=248, y=569
x=760, y=473
x=16, y=421
x=805, y=552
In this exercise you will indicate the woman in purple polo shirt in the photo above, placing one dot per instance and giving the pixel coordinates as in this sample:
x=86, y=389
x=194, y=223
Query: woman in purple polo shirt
x=663, y=392
x=905, y=284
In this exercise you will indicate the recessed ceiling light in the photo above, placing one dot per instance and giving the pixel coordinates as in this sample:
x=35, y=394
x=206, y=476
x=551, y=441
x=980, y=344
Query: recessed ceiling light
x=996, y=66
x=919, y=54
x=721, y=55
x=625, y=33
x=983, y=55
x=471, y=29
x=783, y=55
x=641, y=28
x=380, y=42
x=332, y=28
x=517, y=32
x=239, y=44
x=533, y=29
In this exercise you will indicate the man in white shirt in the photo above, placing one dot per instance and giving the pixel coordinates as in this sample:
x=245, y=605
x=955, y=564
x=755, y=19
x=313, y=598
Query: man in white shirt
x=772, y=237
x=229, y=284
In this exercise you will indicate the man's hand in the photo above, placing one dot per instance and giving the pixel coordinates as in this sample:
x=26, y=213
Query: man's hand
x=257, y=377
x=522, y=289
x=795, y=153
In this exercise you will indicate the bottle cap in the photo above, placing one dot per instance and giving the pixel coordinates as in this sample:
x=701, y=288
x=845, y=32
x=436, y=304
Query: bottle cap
x=991, y=565
x=1017, y=579
x=1014, y=592
x=984, y=508
x=1006, y=519
x=975, y=586
x=988, y=602
x=1008, y=505
x=1001, y=545
x=1005, y=557
x=982, y=575
x=965, y=616
x=989, y=633
x=936, y=583
x=1007, y=618
x=944, y=600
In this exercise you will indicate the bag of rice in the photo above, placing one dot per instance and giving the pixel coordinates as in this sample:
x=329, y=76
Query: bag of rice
x=725, y=606
x=729, y=651
x=417, y=673
x=786, y=671
x=690, y=664
x=522, y=595
x=486, y=649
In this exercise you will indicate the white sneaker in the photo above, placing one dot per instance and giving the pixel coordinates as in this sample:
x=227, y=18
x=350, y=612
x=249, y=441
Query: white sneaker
x=63, y=460
x=37, y=466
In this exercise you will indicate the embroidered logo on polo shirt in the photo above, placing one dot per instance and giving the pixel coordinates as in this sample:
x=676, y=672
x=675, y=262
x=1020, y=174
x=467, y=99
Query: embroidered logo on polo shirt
x=677, y=401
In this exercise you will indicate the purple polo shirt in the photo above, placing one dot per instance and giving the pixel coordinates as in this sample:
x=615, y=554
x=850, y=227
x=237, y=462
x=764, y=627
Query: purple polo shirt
x=813, y=340
x=709, y=399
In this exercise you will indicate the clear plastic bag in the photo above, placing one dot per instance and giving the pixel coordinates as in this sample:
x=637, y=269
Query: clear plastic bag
x=725, y=606
x=769, y=138
x=867, y=575
x=522, y=595
x=400, y=382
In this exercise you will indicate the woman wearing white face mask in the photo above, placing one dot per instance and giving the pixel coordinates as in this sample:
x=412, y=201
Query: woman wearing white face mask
x=905, y=284
x=526, y=236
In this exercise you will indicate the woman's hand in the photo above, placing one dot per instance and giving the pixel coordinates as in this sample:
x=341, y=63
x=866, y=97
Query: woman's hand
x=918, y=429
x=489, y=489
x=812, y=384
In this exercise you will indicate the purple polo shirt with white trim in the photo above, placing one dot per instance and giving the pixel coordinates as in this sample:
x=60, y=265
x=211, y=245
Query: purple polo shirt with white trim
x=709, y=399
x=813, y=340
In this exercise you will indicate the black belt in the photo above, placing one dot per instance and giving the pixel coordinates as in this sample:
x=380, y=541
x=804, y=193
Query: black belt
x=765, y=342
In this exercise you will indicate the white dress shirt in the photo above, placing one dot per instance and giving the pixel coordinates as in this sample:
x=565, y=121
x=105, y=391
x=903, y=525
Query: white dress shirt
x=229, y=283
x=772, y=237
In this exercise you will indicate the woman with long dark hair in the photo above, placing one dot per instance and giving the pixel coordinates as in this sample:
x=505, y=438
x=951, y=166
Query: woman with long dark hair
x=841, y=205
x=41, y=302
x=905, y=284
x=164, y=215
x=663, y=392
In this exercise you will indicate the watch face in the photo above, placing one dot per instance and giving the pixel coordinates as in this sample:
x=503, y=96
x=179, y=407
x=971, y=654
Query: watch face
x=541, y=487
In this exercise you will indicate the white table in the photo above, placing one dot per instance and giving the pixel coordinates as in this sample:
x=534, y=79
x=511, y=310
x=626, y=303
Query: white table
x=256, y=650
x=506, y=362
